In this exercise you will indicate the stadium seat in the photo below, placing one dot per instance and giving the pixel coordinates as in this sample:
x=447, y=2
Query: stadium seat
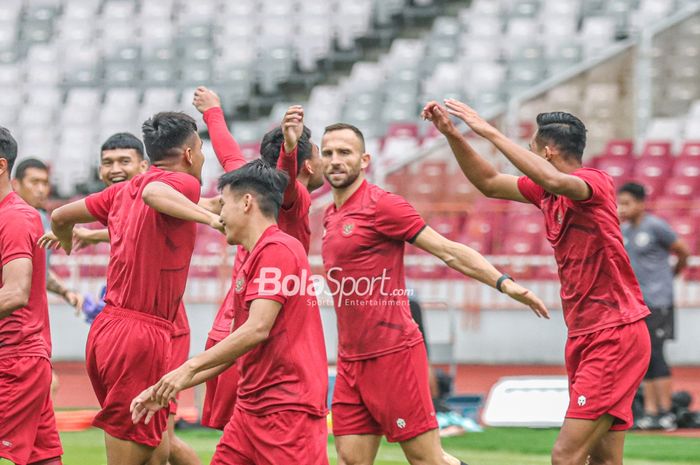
x=682, y=188
x=690, y=149
x=617, y=167
x=657, y=149
x=619, y=148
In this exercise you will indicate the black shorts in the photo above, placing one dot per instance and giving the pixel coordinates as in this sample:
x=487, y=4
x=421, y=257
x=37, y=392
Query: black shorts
x=661, y=323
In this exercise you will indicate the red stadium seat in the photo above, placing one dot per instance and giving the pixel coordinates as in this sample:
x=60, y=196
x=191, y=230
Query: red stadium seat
x=652, y=167
x=687, y=166
x=619, y=148
x=657, y=149
x=449, y=226
x=691, y=149
x=617, y=167
x=250, y=151
x=682, y=187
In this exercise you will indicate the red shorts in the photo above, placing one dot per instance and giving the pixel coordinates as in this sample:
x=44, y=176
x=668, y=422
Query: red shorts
x=220, y=396
x=605, y=369
x=27, y=424
x=127, y=352
x=180, y=352
x=387, y=395
x=277, y=438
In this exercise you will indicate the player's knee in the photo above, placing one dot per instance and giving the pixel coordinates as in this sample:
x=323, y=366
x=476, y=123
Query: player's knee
x=347, y=456
x=561, y=455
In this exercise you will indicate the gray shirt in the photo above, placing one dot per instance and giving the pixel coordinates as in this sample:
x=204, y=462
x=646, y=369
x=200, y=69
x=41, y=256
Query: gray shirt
x=648, y=248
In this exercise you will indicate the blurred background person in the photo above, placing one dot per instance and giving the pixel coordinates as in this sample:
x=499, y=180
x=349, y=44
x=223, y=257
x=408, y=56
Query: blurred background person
x=649, y=241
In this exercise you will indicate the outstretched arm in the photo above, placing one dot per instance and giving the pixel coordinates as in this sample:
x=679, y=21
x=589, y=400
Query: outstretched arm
x=227, y=150
x=471, y=263
x=533, y=166
x=480, y=172
x=164, y=199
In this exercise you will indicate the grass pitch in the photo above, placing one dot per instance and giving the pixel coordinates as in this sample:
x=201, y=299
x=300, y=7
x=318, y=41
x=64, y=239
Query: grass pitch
x=495, y=446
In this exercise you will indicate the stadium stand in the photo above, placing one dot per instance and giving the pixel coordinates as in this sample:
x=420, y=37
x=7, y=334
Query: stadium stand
x=74, y=72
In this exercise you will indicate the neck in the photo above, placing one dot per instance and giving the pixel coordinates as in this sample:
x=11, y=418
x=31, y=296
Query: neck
x=342, y=194
x=303, y=178
x=169, y=165
x=568, y=167
x=254, y=231
x=5, y=189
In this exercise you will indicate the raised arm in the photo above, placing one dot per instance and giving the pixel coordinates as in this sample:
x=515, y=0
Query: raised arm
x=471, y=263
x=292, y=128
x=530, y=164
x=16, y=285
x=480, y=172
x=227, y=150
x=198, y=369
x=164, y=199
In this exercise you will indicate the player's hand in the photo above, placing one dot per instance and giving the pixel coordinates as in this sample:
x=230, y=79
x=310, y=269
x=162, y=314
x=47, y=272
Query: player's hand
x=469, y=116
x=204, y=99
x=170, y=384
x=49, y=241
x=525, y=296
x=216, y=223
x=143, y=406
x=436, y=114
x=292, y=127
x=82, y=237
x=76, y=300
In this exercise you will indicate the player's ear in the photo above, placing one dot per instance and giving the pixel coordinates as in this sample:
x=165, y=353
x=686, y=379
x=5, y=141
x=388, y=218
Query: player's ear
x=308, y=168
x=3, y=168
x=143, y=166
x=366, y=157
x=14, y=182
x=548, y=154
x=247, y=203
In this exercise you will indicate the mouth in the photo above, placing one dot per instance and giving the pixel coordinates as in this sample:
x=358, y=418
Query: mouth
x=120, y=178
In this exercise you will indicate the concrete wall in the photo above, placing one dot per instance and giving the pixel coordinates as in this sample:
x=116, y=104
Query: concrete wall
x=502, y=337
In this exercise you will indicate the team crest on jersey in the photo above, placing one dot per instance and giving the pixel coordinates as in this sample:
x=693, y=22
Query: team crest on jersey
x=240, y=283
x=347, y=229
x=581, y=401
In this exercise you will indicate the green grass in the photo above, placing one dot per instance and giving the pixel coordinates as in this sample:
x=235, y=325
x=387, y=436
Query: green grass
x=496, y=446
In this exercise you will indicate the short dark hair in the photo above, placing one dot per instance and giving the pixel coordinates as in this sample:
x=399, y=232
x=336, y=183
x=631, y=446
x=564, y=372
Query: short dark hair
x=342, y=126
x=8, y=148
x=166, y=131
x=28, y=163
x=265, y=182
x=123, y=140
x=564, y=130
x=272, y=143
x=634, y=189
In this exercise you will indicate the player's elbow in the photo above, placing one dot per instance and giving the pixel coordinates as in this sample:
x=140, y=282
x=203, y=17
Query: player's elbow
x=260, y=333
x=59, y=217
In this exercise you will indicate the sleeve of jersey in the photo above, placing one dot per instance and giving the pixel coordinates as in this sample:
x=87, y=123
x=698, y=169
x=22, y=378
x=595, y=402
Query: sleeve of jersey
x=287, y=162
x=227, y=150
x=17, y=239
x=532, y=191
x=99, y=204
x=184, y=183
x=397, y=219
x=600, y=184
x=665, y=234
x=275, y=269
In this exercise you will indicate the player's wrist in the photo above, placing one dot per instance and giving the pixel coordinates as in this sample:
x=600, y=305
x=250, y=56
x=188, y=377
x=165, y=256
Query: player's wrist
x=504, y=283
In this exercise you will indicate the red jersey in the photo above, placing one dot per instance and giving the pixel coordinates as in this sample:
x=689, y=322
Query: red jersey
x=294, y=214
x=598, y=287
x=289, y=370
x=150, y=252
x=25, y=332
x=363, y=249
